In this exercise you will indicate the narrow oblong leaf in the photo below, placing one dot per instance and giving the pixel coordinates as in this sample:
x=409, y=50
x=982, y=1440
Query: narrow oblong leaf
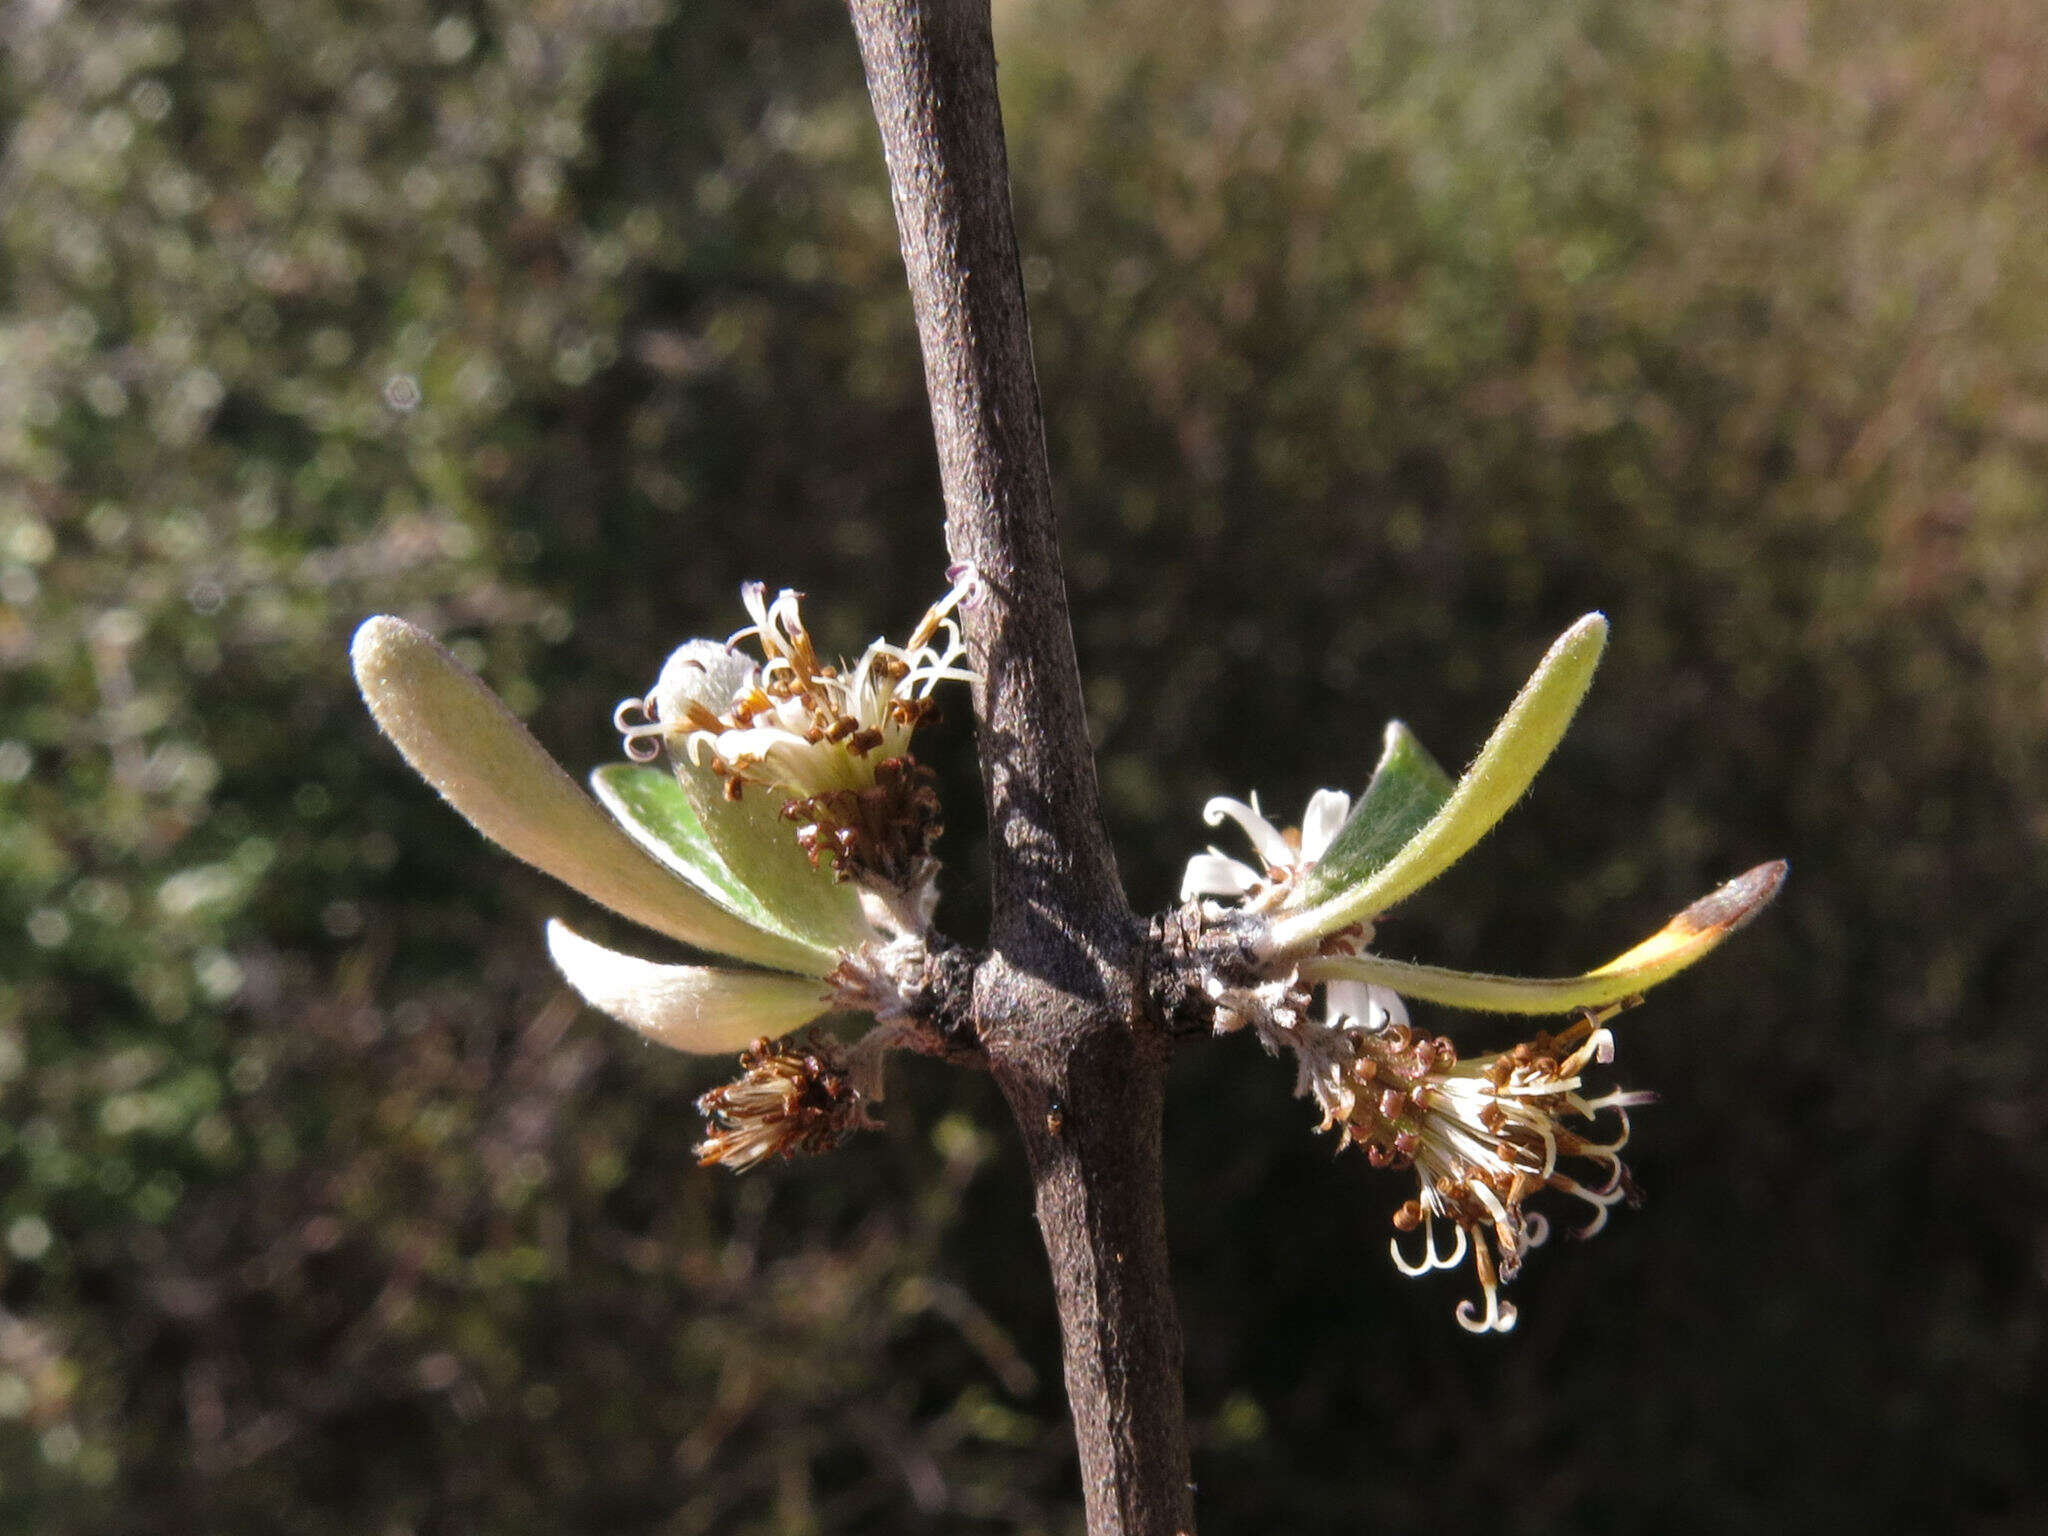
x=1519, y=746
x=1407, y=789
x=686, y=1007
x=657, y=814
x=461, y=739
x=1687, y=937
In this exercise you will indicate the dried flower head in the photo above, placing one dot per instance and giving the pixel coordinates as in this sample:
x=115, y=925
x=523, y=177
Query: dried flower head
x=829, y=743
x=1482, y=1136
x=793, y=1097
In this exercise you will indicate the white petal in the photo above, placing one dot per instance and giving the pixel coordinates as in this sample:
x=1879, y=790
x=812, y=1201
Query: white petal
x=688, y=1007
x=1211, y=874
x=1372, y=1007
x=1265, y=837
x=700, y=672
x=470, y=747
x=1389, y=1009
x=1327, y=809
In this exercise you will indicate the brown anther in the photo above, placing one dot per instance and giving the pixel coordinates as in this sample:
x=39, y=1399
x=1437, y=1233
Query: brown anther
x=1392, y=1102
x=912, y=713
x=787, y=1100
x=842, y=728
x=1409, y=1217
x=862, y=742
x=1407, y=1143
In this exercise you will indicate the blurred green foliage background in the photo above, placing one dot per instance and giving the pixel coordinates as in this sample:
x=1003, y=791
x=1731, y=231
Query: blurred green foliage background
x=1378, y=340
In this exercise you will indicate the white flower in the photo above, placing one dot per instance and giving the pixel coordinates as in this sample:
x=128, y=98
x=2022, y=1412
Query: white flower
x=791, y=721
x=829, y=744
x=1284, y=856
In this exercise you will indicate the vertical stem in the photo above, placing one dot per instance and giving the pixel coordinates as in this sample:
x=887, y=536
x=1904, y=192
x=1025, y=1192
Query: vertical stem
x=1058, y=1002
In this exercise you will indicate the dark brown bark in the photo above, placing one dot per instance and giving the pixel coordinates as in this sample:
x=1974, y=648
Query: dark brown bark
x=1059, y=1000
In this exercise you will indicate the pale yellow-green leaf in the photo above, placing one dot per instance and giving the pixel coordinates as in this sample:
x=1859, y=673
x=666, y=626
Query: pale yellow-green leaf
x=1519, y=746
x=462, y=740
x=686, y=1007
x=1687, y=937
x=656, y=812
x=1405, y=791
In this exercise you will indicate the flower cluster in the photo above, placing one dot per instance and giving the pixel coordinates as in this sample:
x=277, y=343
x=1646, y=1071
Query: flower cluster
x=1284, y=856
x=820, y=881
x=1485, y=1134
x=791, y=830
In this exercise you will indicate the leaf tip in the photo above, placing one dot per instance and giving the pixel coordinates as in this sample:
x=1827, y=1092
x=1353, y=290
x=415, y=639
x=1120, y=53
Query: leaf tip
x=1726, y=909
x=1588, y=634
x=386, y=654
x=374, y=640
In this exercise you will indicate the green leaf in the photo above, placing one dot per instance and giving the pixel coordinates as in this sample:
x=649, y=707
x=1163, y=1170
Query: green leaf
x=649, y=803
x=758, y=845
x=1519, y=746
x=1407, y=789
x=1687, y=937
